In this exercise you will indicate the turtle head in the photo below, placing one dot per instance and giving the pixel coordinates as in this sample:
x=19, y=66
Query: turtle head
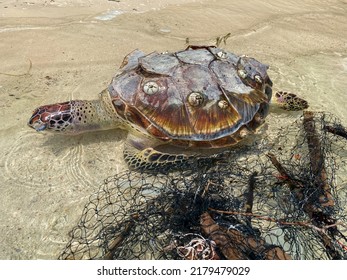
x=59, y=117
x=74, y=117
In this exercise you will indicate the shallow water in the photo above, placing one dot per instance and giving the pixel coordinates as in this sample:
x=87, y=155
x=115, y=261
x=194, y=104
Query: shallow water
x=65, y=50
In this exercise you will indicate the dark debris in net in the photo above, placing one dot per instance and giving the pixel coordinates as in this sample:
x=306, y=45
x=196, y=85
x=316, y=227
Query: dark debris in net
x=281, y=201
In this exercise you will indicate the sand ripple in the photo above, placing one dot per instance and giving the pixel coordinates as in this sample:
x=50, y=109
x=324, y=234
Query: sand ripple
x=23, y=163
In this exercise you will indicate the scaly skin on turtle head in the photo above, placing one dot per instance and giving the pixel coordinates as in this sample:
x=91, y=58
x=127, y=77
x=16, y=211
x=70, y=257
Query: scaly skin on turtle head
x=290, y=101
x=55, y=117
x=76, y=116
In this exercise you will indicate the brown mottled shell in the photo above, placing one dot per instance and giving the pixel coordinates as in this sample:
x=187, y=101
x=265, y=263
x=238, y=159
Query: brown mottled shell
x=194, y=97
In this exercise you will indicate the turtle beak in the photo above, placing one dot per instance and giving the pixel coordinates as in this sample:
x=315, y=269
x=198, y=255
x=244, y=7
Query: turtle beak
x=38, y=121
x=38, y=126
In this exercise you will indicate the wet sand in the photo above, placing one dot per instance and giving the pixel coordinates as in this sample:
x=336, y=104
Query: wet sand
x=58, y=50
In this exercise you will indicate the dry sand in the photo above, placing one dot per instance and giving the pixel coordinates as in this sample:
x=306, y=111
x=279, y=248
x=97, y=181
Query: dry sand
x=58, y=50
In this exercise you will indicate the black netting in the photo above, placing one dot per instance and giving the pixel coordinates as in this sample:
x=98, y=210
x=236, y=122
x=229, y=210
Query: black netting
x=262, y=201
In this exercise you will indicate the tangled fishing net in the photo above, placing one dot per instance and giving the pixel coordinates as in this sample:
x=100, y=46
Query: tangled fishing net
x=263, y=201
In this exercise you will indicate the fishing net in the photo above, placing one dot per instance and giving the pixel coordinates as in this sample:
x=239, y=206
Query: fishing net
x=280, y=200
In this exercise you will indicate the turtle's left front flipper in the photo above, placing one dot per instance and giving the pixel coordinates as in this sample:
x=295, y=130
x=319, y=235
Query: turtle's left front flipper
x=150, y=159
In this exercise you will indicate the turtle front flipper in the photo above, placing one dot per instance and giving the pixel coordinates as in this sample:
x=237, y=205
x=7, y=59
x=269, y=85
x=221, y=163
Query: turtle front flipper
x=150, y=159
x=142, y=153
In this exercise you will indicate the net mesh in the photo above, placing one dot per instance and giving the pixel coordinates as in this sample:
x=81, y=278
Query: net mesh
x=280, y=200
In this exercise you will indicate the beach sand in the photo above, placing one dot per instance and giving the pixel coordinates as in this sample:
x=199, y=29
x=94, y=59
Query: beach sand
x=53, y=51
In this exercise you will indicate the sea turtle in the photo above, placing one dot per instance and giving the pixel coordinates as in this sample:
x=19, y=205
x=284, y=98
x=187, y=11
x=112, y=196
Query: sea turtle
x=199, y=98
